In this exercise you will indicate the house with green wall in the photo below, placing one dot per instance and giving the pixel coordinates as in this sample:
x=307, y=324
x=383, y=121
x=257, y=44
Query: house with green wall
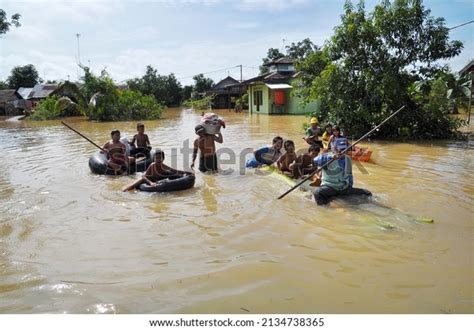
x=271, y=93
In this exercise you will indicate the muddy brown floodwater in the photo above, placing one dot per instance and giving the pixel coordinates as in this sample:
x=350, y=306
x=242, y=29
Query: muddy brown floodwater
x=72, y=242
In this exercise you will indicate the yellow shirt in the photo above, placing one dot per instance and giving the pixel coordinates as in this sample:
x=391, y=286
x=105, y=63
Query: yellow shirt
x=325, y=139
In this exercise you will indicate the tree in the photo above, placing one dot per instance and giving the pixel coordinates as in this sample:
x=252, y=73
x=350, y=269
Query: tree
x=301, y=50
x=369, y=65
x=23, y=76
x=3, y=85
x=186, y=92
x=272, y=55
x=5, y=24
x=165, y=89
x=201, y=86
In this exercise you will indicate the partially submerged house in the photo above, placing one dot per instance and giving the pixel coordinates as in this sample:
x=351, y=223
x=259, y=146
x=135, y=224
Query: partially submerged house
x=270, y=93
x=227, y=92
x=40, y=92
x=7, y=98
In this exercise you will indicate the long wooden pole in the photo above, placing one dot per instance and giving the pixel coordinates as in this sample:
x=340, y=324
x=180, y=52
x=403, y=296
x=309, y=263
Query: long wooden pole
x=344, y=151
x=85, y=137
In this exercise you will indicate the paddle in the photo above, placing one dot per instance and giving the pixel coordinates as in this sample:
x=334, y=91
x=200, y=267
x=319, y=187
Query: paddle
x=342, y=152
x=85, y=137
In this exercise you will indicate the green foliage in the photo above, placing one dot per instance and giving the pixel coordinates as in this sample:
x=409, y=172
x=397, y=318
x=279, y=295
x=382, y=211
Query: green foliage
x=201, y=86
x=165, y=89
x=272, y=55
x=23, y=76
x=111, y=104
x=371, y=65
x=301, y=50
x=199, y=104
x=186, y=92
x=244, y=104
x=3, y=85
x=54, y=107
x=296, y=51
x=5, y=24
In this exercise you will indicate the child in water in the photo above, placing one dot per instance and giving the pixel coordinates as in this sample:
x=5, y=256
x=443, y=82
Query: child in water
x=116, y=153
x=156, y=171
x=326, y=136
x=143, y=143
x=304, y=162
x=205, y=143
x=285, y=161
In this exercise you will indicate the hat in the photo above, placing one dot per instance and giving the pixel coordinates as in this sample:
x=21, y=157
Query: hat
x=314, y=120
x=199, y=128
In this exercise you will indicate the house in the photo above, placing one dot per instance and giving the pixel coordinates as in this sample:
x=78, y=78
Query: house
x=227, y=91
x=469, y=69
x=270, y=93
x=40, y=92
x=7, y=97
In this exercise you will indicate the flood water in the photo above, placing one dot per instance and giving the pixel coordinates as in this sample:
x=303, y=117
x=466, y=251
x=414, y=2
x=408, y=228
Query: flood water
x=72, y=242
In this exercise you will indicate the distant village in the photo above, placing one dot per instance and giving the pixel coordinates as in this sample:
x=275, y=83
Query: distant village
x=269, y=93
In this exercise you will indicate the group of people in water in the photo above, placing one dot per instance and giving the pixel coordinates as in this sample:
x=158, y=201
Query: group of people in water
x=336, y=178
x=328, y=154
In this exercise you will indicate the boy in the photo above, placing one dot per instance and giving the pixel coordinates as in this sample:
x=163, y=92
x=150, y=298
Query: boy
x=312, y=133
x=156, y=171
x=143, y=143
x=116, y=153
x=304, y=162
x=266, y=155
x=205, y=143
x=285, y=161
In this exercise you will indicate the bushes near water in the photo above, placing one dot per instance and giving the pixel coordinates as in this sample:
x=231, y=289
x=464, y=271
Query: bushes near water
x=54, y=107
x=109, y=103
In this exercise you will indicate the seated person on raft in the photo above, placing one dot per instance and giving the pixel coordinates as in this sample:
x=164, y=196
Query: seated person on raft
x=286, y=161
x=304, y=163
x=142, y=140
x=337, y=143
x=156, y=171
x=206, y=144
x=266, y=155
x=116, y=153
x=326, y=136
x=336, y=179
x=312, y=133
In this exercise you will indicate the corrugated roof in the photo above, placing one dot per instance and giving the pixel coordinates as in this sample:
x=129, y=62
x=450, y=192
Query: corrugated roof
x=42, y=91
x=281, y=60
x=8, y=95
x=468, y=68
x=24, y=91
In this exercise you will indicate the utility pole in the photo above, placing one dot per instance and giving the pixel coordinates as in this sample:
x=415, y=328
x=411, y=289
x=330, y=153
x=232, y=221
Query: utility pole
x=78, y=57
x=240, y=89
x=78, y=49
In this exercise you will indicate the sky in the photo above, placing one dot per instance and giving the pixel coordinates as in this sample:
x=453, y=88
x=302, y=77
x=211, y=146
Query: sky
x=184, y=37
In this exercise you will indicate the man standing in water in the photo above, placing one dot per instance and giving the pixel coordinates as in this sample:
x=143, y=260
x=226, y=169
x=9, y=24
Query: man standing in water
x=205, y=143
x=337, y=178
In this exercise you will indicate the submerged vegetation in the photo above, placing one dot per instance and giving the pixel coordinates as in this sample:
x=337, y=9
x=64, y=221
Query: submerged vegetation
x=107, y=102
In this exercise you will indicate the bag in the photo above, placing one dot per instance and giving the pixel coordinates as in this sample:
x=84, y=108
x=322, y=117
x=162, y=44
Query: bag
x=212, y=123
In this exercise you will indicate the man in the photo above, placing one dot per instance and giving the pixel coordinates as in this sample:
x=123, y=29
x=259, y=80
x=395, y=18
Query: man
x=336, y=179
x=266, y=155
x=205, y=143
x=312, y=133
